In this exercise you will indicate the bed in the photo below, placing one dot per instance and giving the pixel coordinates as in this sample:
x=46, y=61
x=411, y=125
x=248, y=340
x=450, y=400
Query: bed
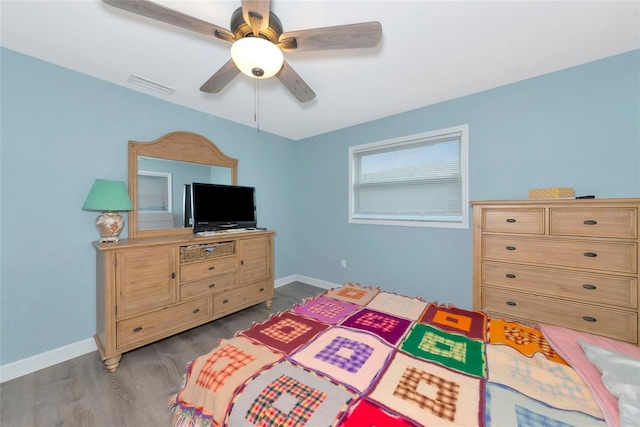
x=359, y=356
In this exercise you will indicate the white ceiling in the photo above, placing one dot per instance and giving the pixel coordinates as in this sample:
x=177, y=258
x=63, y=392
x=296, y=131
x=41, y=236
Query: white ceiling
x=431, y=51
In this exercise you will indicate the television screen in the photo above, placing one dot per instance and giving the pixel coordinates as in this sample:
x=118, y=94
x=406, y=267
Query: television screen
x=216, y=207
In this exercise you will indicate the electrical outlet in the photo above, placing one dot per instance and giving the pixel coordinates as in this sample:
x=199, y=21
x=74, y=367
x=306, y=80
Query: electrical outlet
x=343, y=263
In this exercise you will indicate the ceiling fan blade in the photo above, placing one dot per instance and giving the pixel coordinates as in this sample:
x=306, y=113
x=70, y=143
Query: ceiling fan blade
x=350, y=36
x=256, y=14
x=292, y=81
x=221, y=78
x=171, y=16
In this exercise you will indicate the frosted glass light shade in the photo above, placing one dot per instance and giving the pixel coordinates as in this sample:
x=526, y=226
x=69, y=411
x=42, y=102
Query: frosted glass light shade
x=256, y=57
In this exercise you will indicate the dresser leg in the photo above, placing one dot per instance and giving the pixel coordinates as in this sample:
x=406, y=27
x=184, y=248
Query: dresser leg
x=112, y=362
x=268, y=303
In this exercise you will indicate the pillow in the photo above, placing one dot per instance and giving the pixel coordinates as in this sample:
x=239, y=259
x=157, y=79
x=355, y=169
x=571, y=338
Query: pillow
x=621, y=376
x=565, y=342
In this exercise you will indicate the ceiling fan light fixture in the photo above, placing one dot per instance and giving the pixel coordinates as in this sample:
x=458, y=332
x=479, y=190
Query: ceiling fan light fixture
x=257, y=57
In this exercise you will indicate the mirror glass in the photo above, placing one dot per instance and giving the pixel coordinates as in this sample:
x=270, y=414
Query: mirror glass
x=161, y=190
x=159, y=173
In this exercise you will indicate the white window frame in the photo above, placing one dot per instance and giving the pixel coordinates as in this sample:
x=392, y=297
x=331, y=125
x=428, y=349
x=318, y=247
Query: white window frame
x=463, y=130
x=163, y=181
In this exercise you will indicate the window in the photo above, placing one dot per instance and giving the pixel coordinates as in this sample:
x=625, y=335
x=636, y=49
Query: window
x=418, y=180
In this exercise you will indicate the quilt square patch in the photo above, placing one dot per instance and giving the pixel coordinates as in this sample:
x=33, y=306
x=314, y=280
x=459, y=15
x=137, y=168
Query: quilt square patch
x=354, y=293
x=289, y=396
x=553, y=383
x=451, y=350
x=212, y=378
x=398, y=305
x=352, y=357
x=523, y=338
x=285, y=332
x=386, y=326
x=367, y=414
x=507, y=407
x=327, y=310
x=429, y=394
x=472, y=324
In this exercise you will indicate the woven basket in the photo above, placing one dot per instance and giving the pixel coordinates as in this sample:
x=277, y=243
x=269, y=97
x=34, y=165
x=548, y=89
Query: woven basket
x=211, y=250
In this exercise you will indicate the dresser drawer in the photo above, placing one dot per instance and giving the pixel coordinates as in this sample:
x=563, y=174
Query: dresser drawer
x=149, y=327
x=207, y=286
x=599, y=288
x=616, y=222
x=208, y=268
x=590, y=254
x=522, y=221
x=617, y=324
x=230, y=300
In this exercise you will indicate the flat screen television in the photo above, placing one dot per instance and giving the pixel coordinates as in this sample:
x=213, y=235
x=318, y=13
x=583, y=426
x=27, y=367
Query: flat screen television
x=222, y=207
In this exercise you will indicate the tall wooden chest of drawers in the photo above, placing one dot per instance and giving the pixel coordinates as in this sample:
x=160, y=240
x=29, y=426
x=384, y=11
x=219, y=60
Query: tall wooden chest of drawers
x=572, y=263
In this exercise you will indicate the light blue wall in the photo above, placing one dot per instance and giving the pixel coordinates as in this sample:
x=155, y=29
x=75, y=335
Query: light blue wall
x=60, y=131
x=576, y=128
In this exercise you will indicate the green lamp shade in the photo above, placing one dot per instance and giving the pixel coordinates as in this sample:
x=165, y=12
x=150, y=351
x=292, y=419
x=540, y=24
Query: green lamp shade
x=107, y=195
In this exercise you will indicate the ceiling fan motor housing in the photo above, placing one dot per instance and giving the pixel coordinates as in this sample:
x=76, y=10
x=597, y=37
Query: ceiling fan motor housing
x=241, y=29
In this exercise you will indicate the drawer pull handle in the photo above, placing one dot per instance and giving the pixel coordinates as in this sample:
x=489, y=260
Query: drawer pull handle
x=511, y=220
x=173, y=275
x=587, y=286
x=197, y=310
x=590, y=254
x=138, y=329
x=511, y=303
x=225, y=301
x=212, y=268
x=212, y=285
x=261, y=289
x=589, y=318
x=590, y=222
x=510, y=276
x=511, y=248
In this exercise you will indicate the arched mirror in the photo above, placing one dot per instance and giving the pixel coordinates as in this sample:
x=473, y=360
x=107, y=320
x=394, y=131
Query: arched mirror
x=160, y=175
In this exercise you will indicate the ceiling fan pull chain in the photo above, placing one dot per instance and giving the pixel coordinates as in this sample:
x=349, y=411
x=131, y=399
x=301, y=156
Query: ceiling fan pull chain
x=256, y=107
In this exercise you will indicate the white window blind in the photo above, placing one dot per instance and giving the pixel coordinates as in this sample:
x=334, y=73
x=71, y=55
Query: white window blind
x=418, y=180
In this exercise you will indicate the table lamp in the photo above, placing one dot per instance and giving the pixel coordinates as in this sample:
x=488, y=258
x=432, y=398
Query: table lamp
x=109, y=197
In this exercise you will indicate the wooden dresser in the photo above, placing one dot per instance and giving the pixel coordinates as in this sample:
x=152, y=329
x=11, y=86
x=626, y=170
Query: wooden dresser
x=152, y=288
x=572, y=263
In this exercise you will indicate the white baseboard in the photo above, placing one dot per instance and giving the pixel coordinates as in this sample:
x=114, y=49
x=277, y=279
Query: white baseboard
x=44, y=360
x=316, y=282
x=285, y=280
x=58, y=355
x=304, y=279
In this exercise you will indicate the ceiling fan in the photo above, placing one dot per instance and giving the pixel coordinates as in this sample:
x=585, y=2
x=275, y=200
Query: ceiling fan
x=259, y=40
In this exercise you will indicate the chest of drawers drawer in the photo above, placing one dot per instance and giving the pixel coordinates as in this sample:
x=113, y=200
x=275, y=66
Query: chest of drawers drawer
x=591, y=254
x=223, y=301
x=207, y=268
x=577, y=286
x=207, y=286
x=616, y=324
x=614, y=222
x=149, y=327
x=522, y=221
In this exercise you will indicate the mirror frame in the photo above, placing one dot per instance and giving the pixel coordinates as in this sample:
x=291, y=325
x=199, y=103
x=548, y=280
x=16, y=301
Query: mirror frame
x=181, y=146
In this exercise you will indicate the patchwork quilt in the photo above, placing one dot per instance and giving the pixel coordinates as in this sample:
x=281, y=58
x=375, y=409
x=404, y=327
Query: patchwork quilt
x=359, y=356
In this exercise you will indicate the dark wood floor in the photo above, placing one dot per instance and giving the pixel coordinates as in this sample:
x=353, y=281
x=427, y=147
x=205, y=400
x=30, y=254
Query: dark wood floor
x=80, y=392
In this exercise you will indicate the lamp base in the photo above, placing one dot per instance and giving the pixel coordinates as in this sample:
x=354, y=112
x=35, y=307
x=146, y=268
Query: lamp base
x=109, y=224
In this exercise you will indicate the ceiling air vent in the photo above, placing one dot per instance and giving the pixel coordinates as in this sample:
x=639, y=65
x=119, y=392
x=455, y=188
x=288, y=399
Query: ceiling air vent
x=150, y=84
